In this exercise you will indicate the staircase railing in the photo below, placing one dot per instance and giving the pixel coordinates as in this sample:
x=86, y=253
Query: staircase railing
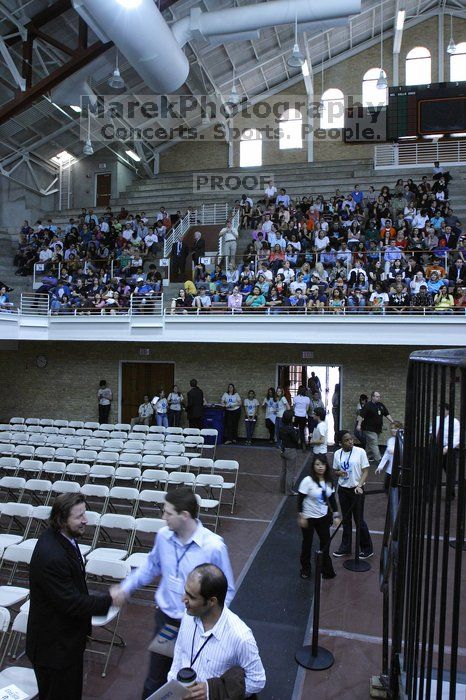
x=399, y=155
x=178, y=232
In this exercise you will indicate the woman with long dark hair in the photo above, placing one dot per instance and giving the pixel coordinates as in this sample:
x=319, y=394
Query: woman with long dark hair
x=316, y=505
x=231, y=401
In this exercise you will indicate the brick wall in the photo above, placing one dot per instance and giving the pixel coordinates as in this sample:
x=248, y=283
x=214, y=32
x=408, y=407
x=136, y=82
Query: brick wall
x=67, y=387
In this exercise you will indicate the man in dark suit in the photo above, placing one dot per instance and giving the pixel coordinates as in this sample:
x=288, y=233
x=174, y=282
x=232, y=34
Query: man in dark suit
x=457, y=273
x=60, y=605
x=178, y=259
x=195, y=405
x=198, y=249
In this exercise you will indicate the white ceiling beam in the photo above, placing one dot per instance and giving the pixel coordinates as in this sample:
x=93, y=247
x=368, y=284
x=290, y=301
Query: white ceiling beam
x=22, y=31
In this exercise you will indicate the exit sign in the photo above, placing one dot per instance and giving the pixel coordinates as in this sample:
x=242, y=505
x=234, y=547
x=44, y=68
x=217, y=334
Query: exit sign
x=308, y=355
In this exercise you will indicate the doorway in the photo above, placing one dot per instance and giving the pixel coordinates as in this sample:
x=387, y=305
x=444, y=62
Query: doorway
x=103, y=189
x=328, y=378
x=140, y=378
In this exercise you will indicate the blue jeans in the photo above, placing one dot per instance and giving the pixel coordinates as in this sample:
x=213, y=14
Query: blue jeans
x=250, y=427
x=278, y=423
x=162, y=419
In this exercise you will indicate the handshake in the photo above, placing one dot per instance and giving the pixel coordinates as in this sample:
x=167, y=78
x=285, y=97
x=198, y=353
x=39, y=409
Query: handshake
x=118, y=595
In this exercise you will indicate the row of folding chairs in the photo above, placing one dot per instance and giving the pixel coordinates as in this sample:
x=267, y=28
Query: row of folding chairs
x=93, y=455
x=33, y=479
x=20, y=424
x=9, y=443
x=137, y=432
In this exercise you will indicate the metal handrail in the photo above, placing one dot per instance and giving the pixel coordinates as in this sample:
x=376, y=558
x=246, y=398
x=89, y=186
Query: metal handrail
x=419, y=154
x=392, y=311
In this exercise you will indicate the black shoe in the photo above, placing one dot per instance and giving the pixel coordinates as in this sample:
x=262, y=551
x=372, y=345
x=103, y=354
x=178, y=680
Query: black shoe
x=366, y=555
x=342, y=553
x=328, y=576
x=305, y=573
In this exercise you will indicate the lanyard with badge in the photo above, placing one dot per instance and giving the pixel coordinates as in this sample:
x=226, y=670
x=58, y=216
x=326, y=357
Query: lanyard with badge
x=194, y=658
x=175, y=583
x=345, y=465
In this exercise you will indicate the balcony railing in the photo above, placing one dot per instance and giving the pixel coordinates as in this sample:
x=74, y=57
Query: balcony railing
x=419, y=154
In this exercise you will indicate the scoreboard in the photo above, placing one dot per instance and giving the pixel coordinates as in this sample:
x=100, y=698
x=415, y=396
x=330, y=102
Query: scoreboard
x=418, y=110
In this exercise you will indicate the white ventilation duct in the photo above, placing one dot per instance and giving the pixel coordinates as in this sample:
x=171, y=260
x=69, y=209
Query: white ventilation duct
x=248, y=18
x=72, y=91
x=141, y=34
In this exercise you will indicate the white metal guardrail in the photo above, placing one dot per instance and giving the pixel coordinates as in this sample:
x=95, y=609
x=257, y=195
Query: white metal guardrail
x=419, y=154
x=147, y=305
x=33, y=304
x=179, y=231
x=208, y=214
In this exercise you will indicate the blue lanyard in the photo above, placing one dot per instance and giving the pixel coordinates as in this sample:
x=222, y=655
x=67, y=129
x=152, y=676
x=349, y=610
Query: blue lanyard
x=346, y=465
x=194, y=659
x=180, y=559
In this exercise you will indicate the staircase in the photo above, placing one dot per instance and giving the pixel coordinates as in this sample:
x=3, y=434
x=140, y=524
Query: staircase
x=8, y=248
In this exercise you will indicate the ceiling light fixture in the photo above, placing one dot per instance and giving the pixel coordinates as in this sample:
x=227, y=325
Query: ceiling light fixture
x=129, y=4
x=451, y=48
x=76, y=108
x=234, y=98
x=400, y=20
x=133, y=155
x=88, y=149
x=116, y=81
x=296, y=58
x=382, y=79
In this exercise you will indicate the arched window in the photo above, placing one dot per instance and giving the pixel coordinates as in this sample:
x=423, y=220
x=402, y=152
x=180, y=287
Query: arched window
x=418, y=66
x=250, y=148
x=291, y=129
x=332, y=115
x=458, y=62
x=371, y=94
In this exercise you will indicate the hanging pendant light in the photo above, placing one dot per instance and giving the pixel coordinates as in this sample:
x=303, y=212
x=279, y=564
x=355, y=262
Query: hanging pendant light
x=88, y=149
x=296, y=58
x=382, y=79
x=451, y=48
x=116, y=81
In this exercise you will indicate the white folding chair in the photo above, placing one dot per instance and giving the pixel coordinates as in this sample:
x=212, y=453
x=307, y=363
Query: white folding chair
x=30, y=467
x=112, y=521
x=152, y=499
x=119, y=435
x=16, y=420
x=154, y=438
x=210, y=436
x=19, y=439
x=152, y=461
x=6, y=450
x=44, y=453
x=53, y=470
x=76, y=424
x=38, y=491
x=115, y=571
x=201, y=464
x=158, y=429
x=32, y=421
x=107, y=426
x=176, y=479
x=229, y=469
x=193, y=445
x=207, y=483
x=174, y=438
x=38, y=440
x=77, y=472
x=153, y=448
x=15, y=555
x=12, y=487
x=133, y=446
x=74, y=441
x=34, y=428
x=19, y=514
x=108, y=457
x=65, y=454
x=84, y=432
x=157, y=478
x=173, y=431
x=66, y=431
x=40, y=519
x=60, y=423
x=191, y=431
x=143, y=526
x=24, y=451
x=87, y=456
x=46, y=422
x=19, y=676
x=140, y=429
x=96, y=495
x=137, y=436
x=102, y=473
x=55, y=440
x=9, y=465
x=91, y=425
x=130, y=475
x=101, y=434
x=130, y=459
x=18, y=428
x=94, y=443
x=170, y=448
x=50, y=430
x=59, y=487
x=176, y=463
x=113, y=445
x=123, y=496
x=125, y=427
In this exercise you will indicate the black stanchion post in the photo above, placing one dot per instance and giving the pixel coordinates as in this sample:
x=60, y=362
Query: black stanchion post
x=313, y=656
x=356, y=564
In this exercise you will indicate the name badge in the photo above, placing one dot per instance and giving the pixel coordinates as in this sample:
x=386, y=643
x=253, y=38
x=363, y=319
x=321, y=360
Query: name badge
x=175, y=585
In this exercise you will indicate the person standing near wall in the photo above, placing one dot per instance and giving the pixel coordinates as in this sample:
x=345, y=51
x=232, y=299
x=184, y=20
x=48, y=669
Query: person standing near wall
x=289, y=441
x=195, y=405
x=104, y=397
x=231, y=401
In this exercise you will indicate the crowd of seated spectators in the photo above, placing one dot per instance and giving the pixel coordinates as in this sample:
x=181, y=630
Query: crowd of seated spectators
x=95, y=263
x=399, y=249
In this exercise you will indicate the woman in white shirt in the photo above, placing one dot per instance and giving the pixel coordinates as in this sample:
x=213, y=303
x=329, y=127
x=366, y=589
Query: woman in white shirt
x=270, y=405
x=387, y=459
x=351, y=465
x=282, y=406
x=251, y=405
x=301, y=406
x=161, y=409
x=315, y=494
x=231, y=401
x=319, y=436
x=175, y=400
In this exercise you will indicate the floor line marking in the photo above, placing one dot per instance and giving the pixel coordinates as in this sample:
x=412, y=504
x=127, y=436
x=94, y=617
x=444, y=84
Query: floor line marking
x=247, y=520
x=372, y=639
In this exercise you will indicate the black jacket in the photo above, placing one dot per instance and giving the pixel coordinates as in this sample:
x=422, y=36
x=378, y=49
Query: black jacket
x=198, y=250
x=195, y=405
x=184, y=250
x=60, y=606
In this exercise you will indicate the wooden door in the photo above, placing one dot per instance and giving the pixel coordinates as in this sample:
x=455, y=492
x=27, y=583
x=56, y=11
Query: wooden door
x=103, y=189
x=139, y=378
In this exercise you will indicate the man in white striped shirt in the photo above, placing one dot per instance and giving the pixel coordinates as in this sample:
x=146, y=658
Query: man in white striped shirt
x=178, y=548
x=212, y=639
